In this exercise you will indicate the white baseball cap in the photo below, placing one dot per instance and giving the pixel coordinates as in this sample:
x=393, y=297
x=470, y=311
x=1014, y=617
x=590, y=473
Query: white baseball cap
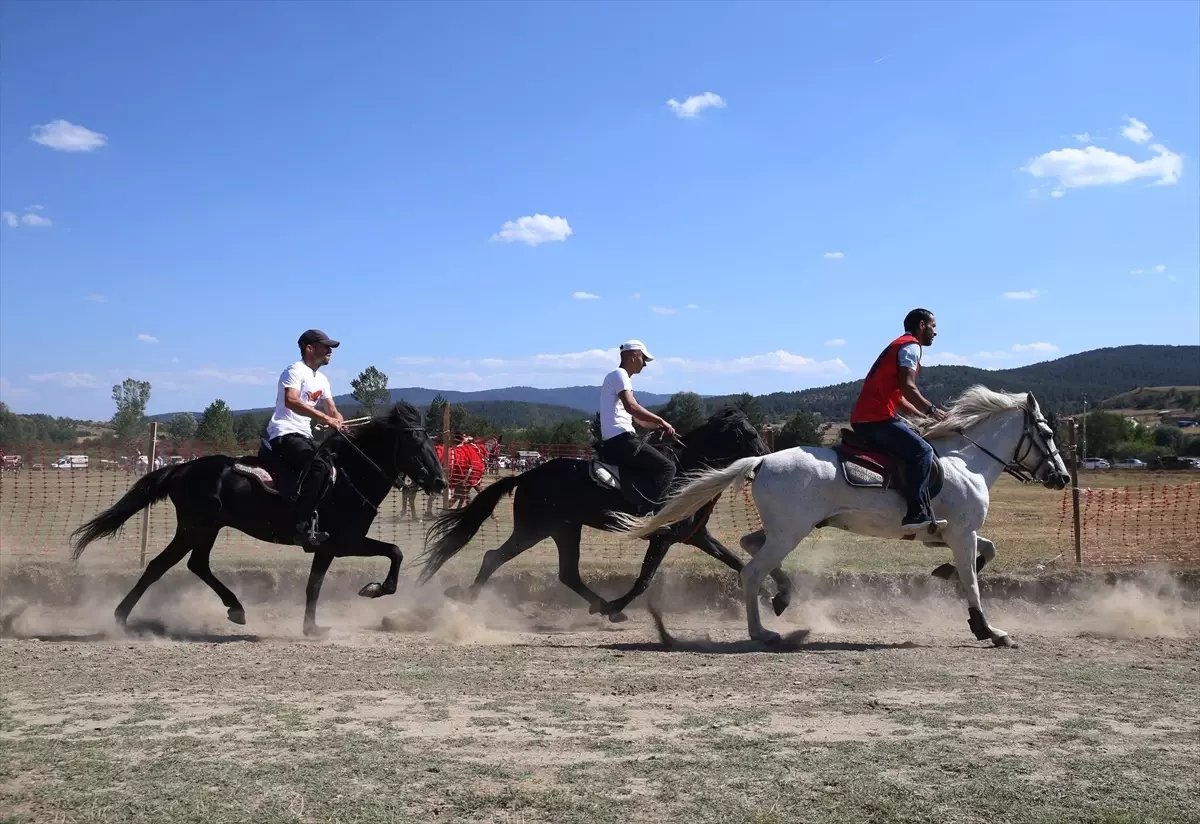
x=636, y=346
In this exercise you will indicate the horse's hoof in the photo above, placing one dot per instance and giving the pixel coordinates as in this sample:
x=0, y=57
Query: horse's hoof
x=780, y=602
x=372, y=590
x=945, y=572
x=618, y=618
x=237, y=616
x=315, y=631
x=769, y=638
x=121, y=618
x=1003, y=639
x=456, y=594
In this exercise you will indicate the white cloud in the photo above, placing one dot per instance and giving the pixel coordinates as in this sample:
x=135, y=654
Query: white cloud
x=695, y=104
x=242, y=376
x=1092, y=166
x=835, y=255
x=144, y=338
x=31, y=218
x=95, y=297
x=1041, y=346
x=584, y=296
x=1137, y=271
x=8, y=392
x=36, y=220
x=836, y=342
x=692, y=306
x=636, y=296
x=1136, y=130
x=980, y=359
x=1057, y=193
x=778, y=361
x=1024, y=294
x=68, y=380
x=591, y=364
x=67, y=137
x=534, y=230
x=1160, y=268
x=1083, y=138
x=663, y=310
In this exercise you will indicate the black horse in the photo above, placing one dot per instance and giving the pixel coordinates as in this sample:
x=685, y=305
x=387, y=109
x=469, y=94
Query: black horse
x=557, y=499
x=209, y=494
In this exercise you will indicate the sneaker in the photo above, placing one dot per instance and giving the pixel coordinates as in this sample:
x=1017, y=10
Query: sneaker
x=915, y=523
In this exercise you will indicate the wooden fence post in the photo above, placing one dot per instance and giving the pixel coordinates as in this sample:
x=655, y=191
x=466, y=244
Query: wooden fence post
x=447, y=436
x=1075, y=492
x=151, y=456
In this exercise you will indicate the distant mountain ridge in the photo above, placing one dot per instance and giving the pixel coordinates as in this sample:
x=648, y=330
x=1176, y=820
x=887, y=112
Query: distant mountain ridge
x=1059, y=385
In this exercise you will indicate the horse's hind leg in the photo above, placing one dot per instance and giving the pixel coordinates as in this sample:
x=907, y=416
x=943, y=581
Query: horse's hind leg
x=198, y=564
x=180, y=545
x=493, y=559
x=567, y=538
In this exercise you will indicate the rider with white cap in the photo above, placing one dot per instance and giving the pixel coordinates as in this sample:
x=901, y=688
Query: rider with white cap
x=619, y=410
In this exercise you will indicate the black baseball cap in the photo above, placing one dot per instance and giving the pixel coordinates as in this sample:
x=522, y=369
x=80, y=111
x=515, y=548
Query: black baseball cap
x=317, y=336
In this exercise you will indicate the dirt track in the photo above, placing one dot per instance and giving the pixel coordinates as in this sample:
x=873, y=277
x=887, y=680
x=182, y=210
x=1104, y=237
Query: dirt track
x=499, y=713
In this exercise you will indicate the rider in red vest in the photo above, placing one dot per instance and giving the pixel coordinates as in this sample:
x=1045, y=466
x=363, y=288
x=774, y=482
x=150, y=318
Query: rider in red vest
x=891, y=388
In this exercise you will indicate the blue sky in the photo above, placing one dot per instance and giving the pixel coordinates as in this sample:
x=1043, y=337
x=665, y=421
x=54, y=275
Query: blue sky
x=187, y=187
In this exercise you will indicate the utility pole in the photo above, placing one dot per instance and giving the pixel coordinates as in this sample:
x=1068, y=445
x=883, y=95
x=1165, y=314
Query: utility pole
x=1084, y=444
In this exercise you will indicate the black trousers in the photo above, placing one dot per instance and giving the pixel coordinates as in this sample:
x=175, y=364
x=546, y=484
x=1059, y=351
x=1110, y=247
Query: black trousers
x=296, y=453
x=652, y=471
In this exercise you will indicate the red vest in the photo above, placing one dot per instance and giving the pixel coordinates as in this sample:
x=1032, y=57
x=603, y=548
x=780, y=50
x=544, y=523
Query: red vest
x=881, y=390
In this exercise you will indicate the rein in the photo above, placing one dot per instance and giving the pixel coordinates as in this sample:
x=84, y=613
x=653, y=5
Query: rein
x=1015, y=467
x=391, y=479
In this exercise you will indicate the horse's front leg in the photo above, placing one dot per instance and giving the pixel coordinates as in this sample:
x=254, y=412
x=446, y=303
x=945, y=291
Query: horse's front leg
x=322, y=558
x=964, y=547
x=370, y=548
x=654, y=557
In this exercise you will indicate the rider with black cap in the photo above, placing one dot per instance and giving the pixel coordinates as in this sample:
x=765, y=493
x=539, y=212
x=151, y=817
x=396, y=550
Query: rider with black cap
x=302, y=389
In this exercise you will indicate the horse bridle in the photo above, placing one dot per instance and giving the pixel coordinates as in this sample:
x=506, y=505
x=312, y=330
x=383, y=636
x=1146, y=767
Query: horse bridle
x=391, y=479
x=1016, y=467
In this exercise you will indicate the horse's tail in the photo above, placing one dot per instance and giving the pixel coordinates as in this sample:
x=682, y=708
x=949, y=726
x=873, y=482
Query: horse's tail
x=150, y=489
x=453, y=530
x=701, y=487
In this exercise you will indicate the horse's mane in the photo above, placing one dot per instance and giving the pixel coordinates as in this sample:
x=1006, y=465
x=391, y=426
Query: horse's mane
x=976, y=404
x=402, y=414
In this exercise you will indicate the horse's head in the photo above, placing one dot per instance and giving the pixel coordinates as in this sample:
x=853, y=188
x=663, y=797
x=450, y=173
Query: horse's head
x=1048, y=466
x=726, y=437
x=415, y=455
x=1009, y=422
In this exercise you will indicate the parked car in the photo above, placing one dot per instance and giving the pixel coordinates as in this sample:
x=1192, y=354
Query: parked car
x=1171, y=462
x=71, y=462
x=1096, y=463
x=1129, y=463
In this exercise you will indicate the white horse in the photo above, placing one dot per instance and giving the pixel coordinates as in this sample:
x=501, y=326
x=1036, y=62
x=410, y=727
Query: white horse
x=798, y=490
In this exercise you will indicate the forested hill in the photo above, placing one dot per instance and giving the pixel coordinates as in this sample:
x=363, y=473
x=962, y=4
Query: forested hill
x=1059, y=385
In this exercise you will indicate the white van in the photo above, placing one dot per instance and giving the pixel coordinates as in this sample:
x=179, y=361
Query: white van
x=71, y=462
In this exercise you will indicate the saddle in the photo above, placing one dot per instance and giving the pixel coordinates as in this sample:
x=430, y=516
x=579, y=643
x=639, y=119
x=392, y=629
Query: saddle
x=272, y=475
x=607, y=475
x=863, y=466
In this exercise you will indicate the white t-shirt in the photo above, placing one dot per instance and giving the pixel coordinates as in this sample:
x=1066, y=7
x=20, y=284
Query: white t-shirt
x=614, y=417
x=313, y=387
x=910, y=356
